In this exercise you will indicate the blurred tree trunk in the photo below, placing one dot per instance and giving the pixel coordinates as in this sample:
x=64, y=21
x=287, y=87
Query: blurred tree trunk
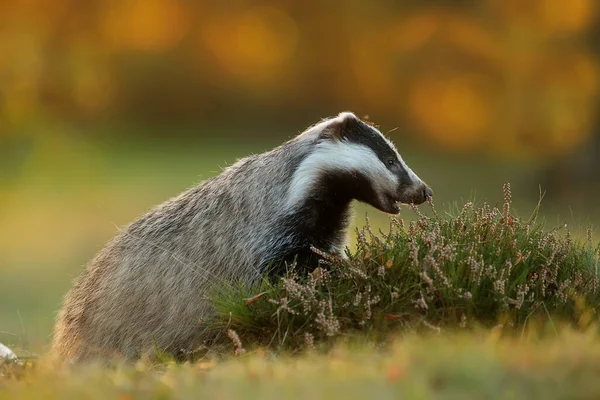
x=575, y=178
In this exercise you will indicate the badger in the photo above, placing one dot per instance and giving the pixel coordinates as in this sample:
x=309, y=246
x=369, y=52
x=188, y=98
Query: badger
x=149, y=287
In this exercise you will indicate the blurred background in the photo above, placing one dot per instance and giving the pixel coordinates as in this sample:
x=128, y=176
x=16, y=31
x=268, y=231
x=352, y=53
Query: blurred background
x=110, y=107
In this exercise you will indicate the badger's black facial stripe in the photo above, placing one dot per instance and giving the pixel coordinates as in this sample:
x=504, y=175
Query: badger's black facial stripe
x=404, y=178
x=356, y=131
x=349, y=186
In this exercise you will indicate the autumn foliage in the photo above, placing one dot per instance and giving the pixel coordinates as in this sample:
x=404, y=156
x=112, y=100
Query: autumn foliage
x=508, y=75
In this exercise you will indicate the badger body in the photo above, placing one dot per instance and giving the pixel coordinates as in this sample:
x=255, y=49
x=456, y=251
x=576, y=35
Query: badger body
x=148, y=287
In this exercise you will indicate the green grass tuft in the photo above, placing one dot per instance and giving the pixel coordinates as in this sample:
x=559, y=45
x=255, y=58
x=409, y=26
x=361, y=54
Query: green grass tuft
x=477, y=266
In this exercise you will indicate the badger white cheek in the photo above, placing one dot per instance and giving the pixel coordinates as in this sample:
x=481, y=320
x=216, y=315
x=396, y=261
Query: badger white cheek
x=414, y=178
x=387, y=183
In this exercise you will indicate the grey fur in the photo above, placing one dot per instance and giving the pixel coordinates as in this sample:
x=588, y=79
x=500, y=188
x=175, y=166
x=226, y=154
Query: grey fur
x=147, y=288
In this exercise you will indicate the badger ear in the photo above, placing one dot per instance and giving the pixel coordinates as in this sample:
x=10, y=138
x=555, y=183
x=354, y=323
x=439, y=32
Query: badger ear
x=336, y=128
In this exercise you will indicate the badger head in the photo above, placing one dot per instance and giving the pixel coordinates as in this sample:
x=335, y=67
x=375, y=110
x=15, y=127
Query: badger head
x=360, y=162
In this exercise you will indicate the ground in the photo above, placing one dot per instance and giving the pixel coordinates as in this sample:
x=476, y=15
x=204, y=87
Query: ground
x=441, y=366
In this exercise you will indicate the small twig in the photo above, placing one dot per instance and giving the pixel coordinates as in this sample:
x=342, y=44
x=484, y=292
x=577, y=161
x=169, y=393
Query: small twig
x=550, y=319
x=525, y=322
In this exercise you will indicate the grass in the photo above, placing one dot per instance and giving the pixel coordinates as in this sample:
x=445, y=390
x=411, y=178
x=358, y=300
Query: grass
x=479, y=267
x=476, y=365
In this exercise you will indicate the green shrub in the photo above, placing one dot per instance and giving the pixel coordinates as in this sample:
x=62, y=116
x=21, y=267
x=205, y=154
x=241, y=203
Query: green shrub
x=482, y=266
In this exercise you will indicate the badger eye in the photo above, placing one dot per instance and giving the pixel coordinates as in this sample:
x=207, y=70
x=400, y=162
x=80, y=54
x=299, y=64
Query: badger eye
x=390, y=162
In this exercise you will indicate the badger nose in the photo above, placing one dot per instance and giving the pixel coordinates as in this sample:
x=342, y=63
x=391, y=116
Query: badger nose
x=427, y=192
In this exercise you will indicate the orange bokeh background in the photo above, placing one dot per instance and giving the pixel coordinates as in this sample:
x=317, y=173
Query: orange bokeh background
x=510, y=77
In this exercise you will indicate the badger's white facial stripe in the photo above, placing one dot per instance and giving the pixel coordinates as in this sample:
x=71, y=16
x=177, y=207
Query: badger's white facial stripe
x=413, y=177
x=339, y=156
x=325, y=124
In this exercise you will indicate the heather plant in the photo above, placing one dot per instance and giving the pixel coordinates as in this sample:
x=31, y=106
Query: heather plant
x=480, y=266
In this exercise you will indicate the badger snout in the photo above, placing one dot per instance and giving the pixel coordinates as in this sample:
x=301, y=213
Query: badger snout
x=427, y=192
x=422, y=194
x=417, y=194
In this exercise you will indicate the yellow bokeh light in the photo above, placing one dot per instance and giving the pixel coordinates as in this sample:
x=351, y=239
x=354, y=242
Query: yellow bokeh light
x=93, y=89
x=566, y=16
x=151, y=25
x=548, y=17
x=453, y=111
x=266, y=36
x=411, y=33
x=253, y=43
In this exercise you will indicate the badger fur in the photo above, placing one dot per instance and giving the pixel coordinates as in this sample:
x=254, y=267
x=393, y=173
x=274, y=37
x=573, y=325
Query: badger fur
x=148, y=287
